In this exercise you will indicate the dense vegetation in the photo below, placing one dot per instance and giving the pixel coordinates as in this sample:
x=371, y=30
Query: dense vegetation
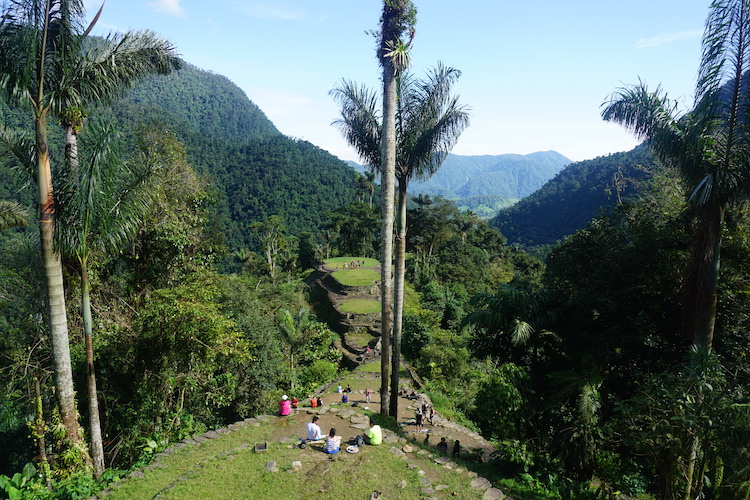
x=578, y=367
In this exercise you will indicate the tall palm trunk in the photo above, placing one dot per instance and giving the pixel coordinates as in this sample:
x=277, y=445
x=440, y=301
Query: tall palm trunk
x=55, y=292
x=398, y=294
x=388, y=175
x=95, y=429
x=701, y=286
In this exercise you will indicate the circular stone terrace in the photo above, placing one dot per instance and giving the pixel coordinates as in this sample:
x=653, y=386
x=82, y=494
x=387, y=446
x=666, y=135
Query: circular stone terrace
x=353, y=288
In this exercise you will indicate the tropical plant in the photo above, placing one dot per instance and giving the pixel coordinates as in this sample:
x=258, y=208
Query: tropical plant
x=99, y=210
x=36, y=39
x=708, y=144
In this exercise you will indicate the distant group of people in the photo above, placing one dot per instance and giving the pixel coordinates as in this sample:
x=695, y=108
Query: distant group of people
x=286, y=405
x=354, y=264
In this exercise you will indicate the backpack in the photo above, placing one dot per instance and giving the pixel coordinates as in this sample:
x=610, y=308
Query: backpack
x=360, y=441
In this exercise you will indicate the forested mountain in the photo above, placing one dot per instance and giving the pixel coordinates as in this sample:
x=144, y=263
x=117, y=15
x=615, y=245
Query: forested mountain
x=257, y=171
x=486, y=183
x=254, y=170
x=573, y=197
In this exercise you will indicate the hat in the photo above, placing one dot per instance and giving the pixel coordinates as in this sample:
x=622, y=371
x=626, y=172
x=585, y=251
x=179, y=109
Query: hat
x=284, y=397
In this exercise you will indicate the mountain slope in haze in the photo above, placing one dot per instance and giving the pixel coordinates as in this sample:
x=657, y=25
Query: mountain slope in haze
x=572, y=198
x=508, y=175
x=486, y=183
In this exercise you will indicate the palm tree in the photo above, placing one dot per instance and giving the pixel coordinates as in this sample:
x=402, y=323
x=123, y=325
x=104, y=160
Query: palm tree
x=100, y=211
x=296, y=329
x=11, y=215
x=48, y=61
x=35, y=38
x=429, y=122
x=397, y=20
x=709, y=145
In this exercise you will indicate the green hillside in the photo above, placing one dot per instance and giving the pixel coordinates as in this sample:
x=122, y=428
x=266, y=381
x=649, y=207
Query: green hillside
x=254, y=171
x=572, y=198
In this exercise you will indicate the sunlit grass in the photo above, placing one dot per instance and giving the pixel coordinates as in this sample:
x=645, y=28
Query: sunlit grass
x=361, y=306
x=356, y=277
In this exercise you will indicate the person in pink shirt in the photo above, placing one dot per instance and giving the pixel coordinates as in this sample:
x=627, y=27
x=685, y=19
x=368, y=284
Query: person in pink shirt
x=285, y=406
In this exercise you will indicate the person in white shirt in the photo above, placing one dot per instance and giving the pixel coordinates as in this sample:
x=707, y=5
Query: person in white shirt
x=313, y=430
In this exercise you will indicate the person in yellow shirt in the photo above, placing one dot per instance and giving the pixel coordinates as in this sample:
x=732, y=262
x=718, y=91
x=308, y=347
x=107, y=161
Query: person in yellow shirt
x=373, y=435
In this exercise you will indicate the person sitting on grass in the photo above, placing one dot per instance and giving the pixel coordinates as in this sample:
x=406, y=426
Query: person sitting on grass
x=373, y=435
x=345, y=398
x=332, y=442
x=313, y=430
x=285, y=406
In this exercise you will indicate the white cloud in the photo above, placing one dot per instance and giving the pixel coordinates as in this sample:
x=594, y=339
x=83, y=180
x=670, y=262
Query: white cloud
x=665, y=38
x=171, y=7
x=284, y=11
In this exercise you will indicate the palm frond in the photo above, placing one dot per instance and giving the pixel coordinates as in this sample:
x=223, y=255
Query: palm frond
x=12, y=215
x=360, y=121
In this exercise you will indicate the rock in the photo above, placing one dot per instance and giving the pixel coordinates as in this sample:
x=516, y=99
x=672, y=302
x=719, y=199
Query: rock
x=223, y=430
x=480, y=483
x=426, y=481
x=442, y=460
x=402, y=484
x=411, y=466
x=252, y=421
x=271, y=466
x=296, y=465
x=360, y=426
x=427, y=491
x=493, y=494
x=472, y=474
x=397, y=452
x=441, y=487
x=211, y=434
x=407, y=448
x=285, y=439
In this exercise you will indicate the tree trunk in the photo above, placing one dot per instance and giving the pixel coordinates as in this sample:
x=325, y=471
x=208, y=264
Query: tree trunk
x=398, y=307
x=55, y=293
x=95, y=429
x=388, y=163
x=702, y=277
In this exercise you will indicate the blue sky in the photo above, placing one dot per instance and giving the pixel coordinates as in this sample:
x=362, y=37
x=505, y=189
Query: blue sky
x=534, y=73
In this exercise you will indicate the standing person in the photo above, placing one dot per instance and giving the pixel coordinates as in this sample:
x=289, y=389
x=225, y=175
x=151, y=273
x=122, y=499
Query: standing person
x=295, y=404
x=332, y=442
x=432, y=415
x=442, y=446
x=313, y=430
x=367, y=395
x=285, y=406
x=419, y=420
x=456, y=448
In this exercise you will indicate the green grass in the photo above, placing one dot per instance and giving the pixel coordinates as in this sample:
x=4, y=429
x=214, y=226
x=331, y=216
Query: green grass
x=356, y=277
x=225, y=468
x=361, y=306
